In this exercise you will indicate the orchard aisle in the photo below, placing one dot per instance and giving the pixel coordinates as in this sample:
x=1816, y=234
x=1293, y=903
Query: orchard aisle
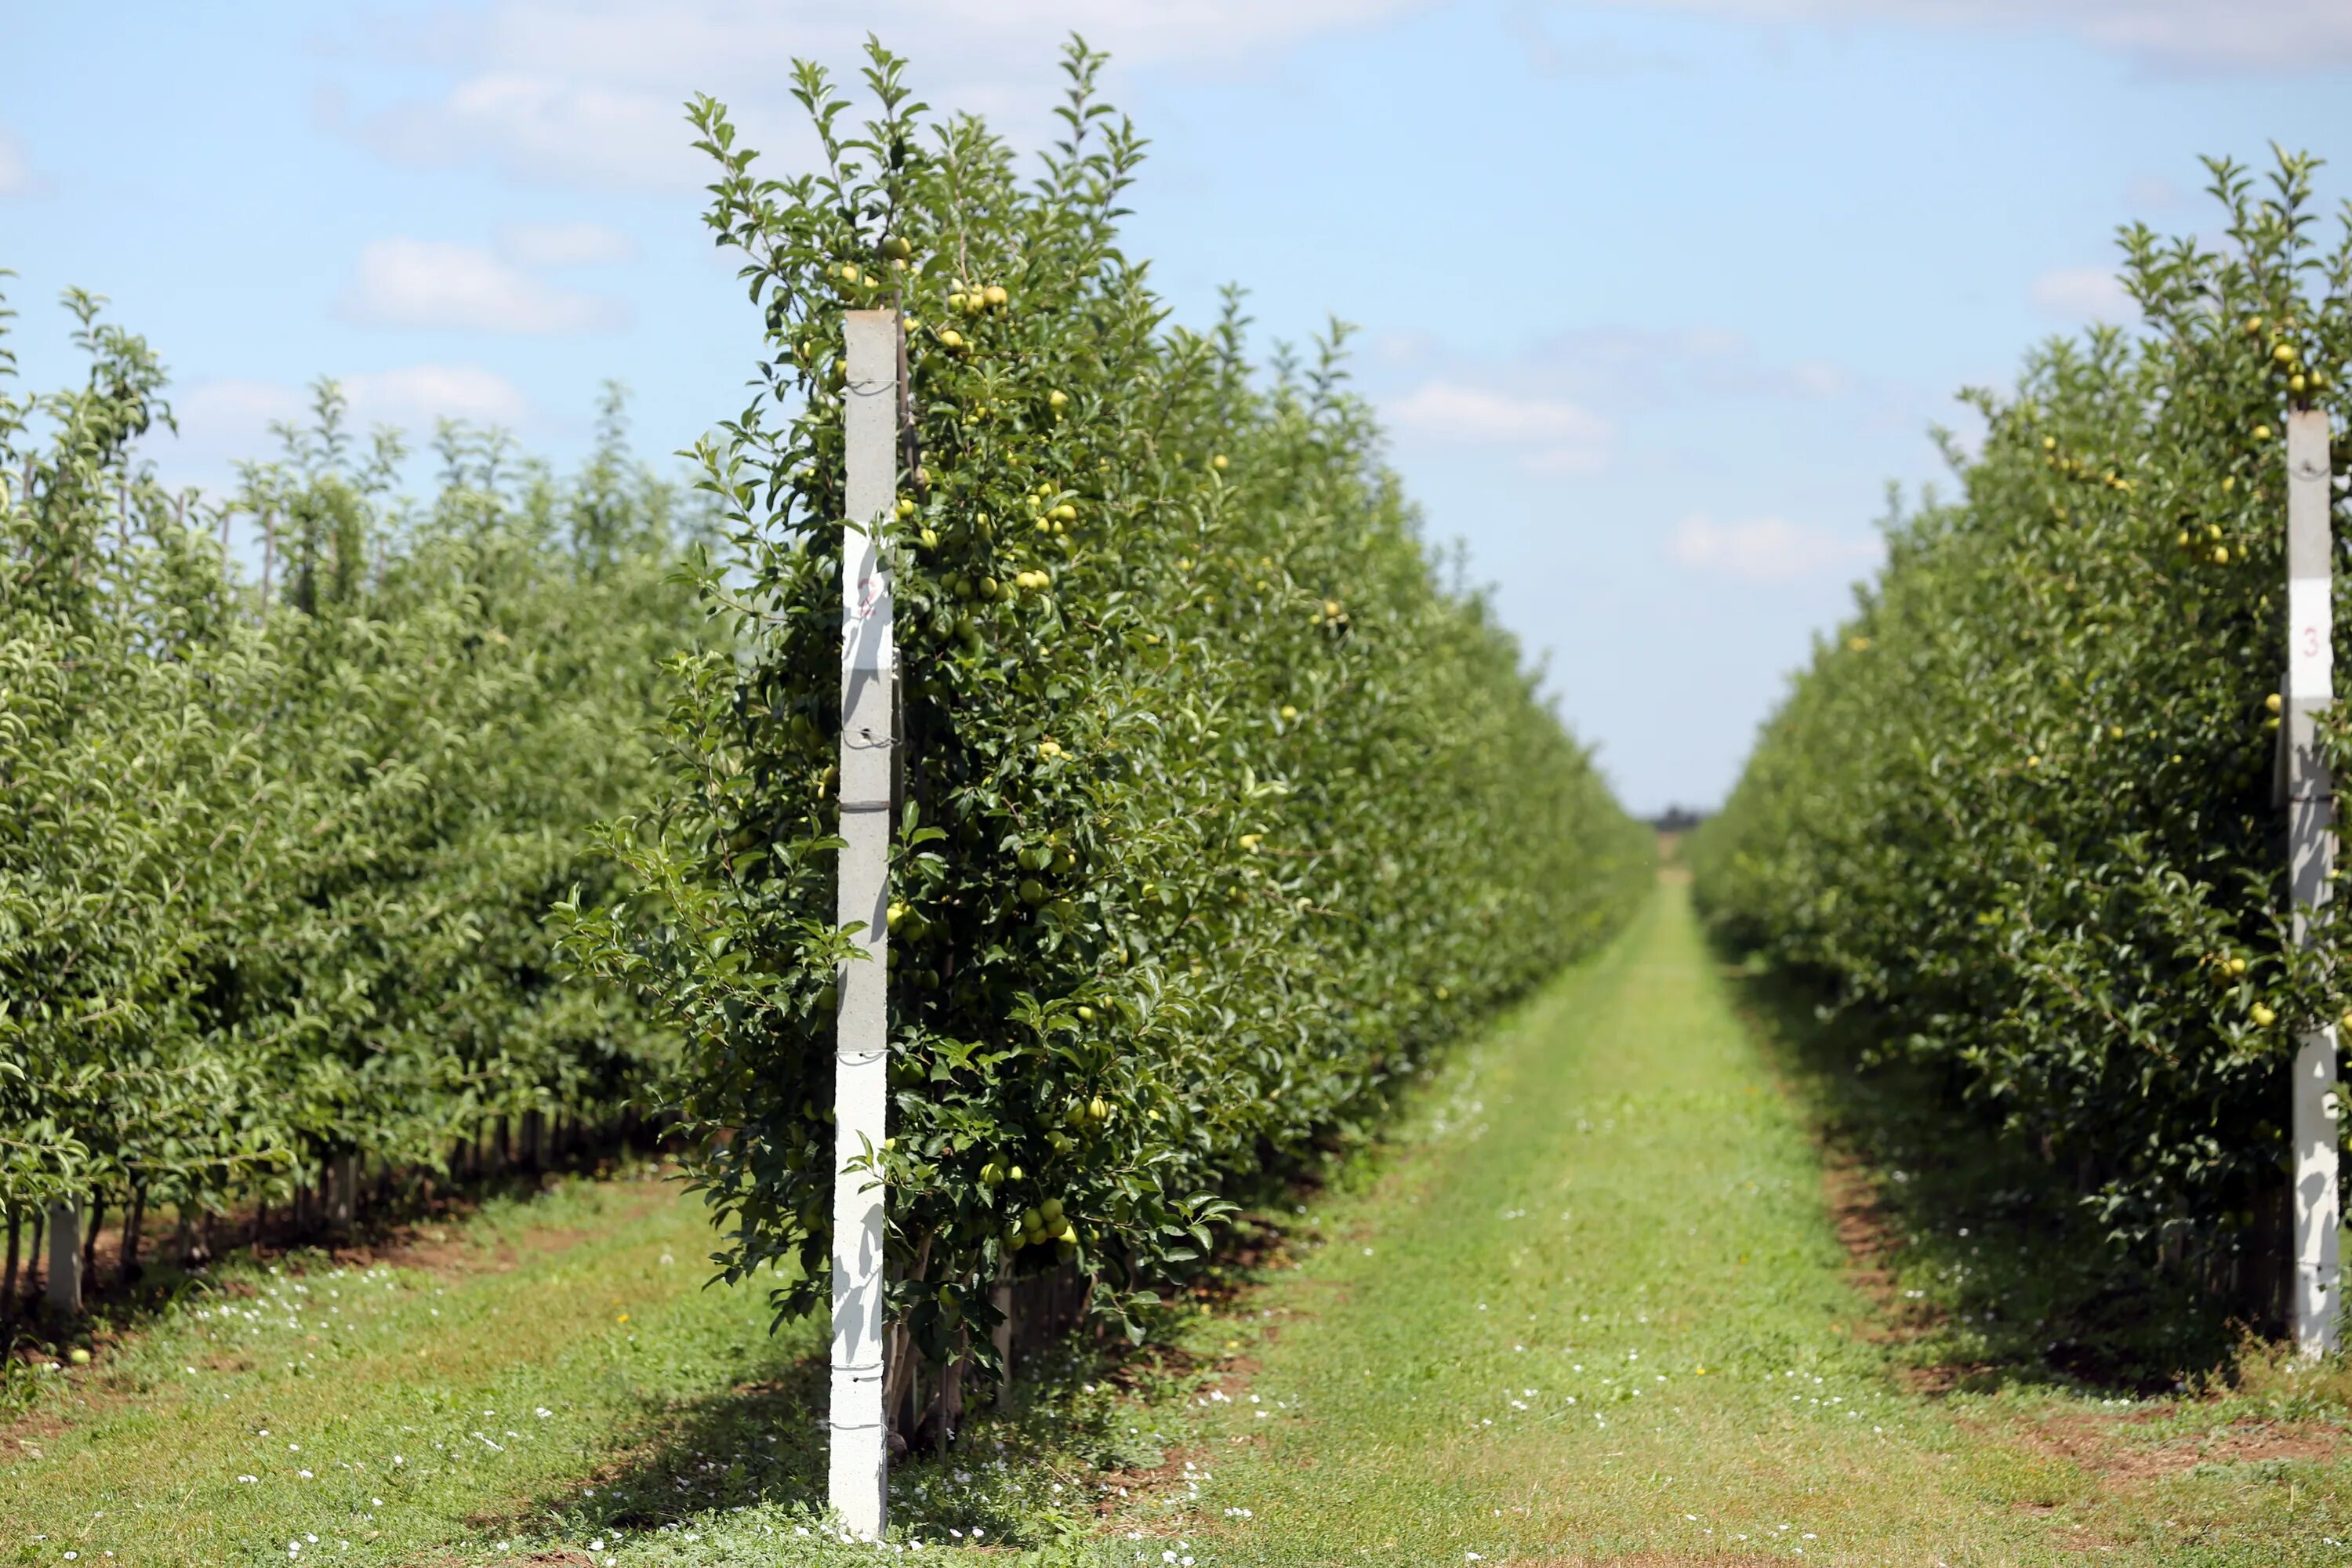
x=1594, y=1311
x=1600, y=1310
x=534, y=1372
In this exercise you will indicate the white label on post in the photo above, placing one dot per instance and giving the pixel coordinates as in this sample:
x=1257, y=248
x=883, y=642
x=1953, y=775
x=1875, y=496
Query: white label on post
x=871, y=413
x=866, y=607
x=2318, y=1225
x=2310, y=662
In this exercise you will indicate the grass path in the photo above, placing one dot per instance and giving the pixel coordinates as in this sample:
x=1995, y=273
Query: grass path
x=1592, y=1308
x=1600, y=1313
x=393, y=1416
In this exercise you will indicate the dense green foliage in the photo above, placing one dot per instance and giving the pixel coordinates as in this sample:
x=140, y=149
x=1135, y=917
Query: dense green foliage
x=1553, y=1160
x=275, y=857
x=2023, y=803
x=1220, y=814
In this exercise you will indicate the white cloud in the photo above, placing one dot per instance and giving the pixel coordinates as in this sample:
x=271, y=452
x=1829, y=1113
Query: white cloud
x=1625, y=365
x=1588, y=55
x=414, y=397
x=1820, y=378
x=563, y=243
x=436, y=284
x=2085, y=293
x=2194, y=34
x=16, y=176
x=545, y=128
x=657, y=40
x=1767, y=548
x=589, y=92
x=1548, y=434
x=2153, y=191
x=231, y=419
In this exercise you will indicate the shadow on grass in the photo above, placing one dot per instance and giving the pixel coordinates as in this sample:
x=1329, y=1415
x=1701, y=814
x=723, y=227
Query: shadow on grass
x=1990, y=1272
x=755, y=1444
x=760, y=1445
x=406, y=1226
x=431, y=1229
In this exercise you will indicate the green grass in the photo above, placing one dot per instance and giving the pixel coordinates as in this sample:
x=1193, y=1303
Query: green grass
x=1589, y=1306
x=1598, y=1309
x=401, y=1410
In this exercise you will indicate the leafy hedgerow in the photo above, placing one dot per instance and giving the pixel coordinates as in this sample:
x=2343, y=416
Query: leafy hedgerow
x=2024, y=801
x=1220, y=814
x=275, y=867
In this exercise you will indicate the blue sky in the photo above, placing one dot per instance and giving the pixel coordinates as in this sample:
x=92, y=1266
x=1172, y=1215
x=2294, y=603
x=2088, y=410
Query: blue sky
x=1657, y=295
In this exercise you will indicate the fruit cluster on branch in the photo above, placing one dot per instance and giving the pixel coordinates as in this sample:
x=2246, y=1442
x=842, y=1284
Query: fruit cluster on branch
x=280, y=824
x=2023, y=802
x=1220, y=813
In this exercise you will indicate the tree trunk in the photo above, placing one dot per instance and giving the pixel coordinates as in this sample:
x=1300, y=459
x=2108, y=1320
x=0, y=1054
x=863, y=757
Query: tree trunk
x=91, y=1225
x=1002, y=1336
x=64, y=1296
x=897, y=1386
x=129, y=1269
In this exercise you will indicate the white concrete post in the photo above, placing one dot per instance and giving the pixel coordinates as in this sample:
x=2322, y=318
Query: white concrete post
x=2311, y=856
x=857, y=1475
x=63, y=1290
